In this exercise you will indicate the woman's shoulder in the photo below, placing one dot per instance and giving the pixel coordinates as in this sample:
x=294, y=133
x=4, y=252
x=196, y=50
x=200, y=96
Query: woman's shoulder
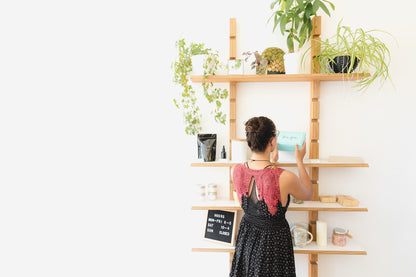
x=277, y=170
x=237, y=168
x=287, y=177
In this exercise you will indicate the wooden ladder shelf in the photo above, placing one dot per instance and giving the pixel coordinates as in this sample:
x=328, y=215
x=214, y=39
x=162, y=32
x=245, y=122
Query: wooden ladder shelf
x=312, y=207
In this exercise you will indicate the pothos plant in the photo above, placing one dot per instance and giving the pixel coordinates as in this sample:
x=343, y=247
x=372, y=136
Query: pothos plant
x=294, y=18
x=187, y=100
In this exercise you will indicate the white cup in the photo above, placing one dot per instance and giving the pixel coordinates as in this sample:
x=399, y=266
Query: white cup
x=300, y=237
x=303, y=225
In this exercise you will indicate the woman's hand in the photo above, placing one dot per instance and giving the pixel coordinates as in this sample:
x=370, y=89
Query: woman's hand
x=300, y=154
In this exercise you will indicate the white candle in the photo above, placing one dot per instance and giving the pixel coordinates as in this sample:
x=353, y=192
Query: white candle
x=321, y=233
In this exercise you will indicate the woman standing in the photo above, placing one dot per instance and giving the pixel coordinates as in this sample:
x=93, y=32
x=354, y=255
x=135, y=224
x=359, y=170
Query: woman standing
x=264, y=243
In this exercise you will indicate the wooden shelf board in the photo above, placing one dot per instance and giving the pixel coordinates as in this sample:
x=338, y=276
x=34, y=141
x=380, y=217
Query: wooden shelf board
x=324, y=207
x=225, y=205
x=280, y=77
x=352, y=248
x=307, y=163
x=231, y=205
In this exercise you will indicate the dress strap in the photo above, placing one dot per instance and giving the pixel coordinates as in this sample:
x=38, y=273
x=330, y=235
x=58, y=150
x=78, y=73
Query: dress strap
x=263, y=168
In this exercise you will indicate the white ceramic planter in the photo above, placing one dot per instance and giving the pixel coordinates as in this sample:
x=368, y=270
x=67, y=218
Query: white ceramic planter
x=292, y=63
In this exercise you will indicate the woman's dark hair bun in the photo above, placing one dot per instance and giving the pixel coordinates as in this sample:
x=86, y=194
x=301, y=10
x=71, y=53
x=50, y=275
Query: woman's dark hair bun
x=259, y=131
x=253, y=125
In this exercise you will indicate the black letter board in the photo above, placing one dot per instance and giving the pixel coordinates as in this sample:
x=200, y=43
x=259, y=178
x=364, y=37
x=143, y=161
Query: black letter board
x=220, y=226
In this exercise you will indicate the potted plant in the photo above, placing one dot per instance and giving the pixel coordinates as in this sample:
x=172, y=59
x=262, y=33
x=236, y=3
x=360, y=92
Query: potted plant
x=275, y=60
x=187, y=100
x=259, y=62
x=294, y=18
x=359, y=50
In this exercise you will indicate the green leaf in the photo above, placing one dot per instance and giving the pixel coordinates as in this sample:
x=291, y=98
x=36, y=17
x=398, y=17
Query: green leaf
x=283, y=24
x=176, y=103
x=309, y=26
x=303, y=29
x=308, y=11
x=315, y=7
x=276, y=21
x=300, y=4
x=296, y=21
x=290, y=44
x=324, y=8
x=296, y=38
x=332, y=5
x=302, y=41
x=288, y=5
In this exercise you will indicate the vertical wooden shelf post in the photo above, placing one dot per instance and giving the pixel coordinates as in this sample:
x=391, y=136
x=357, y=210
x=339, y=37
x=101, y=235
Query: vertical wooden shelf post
x=232, y=96
x=233, y=106
x=233, y=38
x=314, y=137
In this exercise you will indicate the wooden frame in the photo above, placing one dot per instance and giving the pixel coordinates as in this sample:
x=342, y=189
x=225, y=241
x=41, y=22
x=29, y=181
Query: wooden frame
x=307, y=163
x=278, y=78
x=233, y=232
x=311, y=249
x=307, y=206
x=313, y=164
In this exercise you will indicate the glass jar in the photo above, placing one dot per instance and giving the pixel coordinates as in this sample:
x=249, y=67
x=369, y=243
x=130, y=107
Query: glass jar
x=201, y=192
x=212, y=192
x=339, y=237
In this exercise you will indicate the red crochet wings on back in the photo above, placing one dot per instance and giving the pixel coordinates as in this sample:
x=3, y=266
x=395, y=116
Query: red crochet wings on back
x=267, y=183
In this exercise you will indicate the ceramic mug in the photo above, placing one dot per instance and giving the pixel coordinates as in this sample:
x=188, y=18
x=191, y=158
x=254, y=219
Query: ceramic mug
x=303, y=225
x=300, y=237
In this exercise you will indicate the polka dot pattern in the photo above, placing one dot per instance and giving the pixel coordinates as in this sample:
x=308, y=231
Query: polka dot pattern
x=264, y=244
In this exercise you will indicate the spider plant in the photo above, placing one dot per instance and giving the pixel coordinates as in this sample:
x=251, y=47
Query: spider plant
x=363, y=47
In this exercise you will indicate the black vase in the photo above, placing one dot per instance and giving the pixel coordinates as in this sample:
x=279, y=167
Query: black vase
x=342, y=63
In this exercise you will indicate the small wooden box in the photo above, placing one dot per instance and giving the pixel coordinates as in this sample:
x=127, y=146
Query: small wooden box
x=328, y=199
x=347, y=201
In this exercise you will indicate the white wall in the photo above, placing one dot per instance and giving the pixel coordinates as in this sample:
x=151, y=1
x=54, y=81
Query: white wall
x=95, y=176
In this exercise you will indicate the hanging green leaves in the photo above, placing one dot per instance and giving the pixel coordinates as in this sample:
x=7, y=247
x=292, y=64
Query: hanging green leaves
x=187, y=100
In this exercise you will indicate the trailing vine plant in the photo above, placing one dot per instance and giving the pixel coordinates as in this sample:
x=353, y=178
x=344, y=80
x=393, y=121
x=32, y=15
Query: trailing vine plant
x=212, y=94
x=187, y=100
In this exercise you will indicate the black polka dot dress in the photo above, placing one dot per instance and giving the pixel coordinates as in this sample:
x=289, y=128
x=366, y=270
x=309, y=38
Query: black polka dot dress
x=264, y=243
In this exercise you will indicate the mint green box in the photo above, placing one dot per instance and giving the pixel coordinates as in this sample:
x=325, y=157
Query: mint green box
x=288, y=140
